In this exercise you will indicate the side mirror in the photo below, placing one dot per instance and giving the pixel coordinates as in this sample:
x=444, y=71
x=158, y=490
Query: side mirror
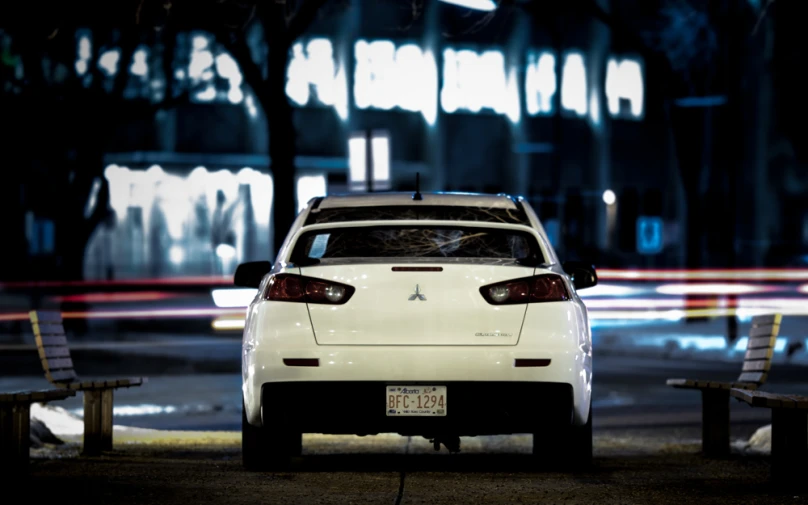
x=582, y=274
x=249, y=275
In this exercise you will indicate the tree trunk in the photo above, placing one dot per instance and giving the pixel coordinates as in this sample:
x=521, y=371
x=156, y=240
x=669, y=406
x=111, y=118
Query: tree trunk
x=282, y=135
x=689, y=131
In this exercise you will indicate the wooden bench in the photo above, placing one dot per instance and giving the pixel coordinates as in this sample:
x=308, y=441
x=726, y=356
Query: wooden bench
x=15, y=425
x=51, y=342
x=715, y=394
x=789, y=431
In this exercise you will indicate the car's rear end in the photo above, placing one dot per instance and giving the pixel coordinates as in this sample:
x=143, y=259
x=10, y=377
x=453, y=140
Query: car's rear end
x=418, y=324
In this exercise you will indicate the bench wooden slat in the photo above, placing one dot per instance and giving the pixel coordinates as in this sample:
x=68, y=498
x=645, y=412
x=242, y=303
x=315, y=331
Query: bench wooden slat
x=765, y=331
x=744, y=385
x=51, y=341
x=759, y=354
x=131, y=381
x=753, y=377
x=57, y=376
x=770, y=400
x=757, y=366
x=681, y=383
x=110, y=383
x=84, y=385
x=756, y=398
x=44, y=395
x=57, y=364
x=761, y=343
x=767, y=319
x=45, y=329
x=45, y=316
x=51, y=395
x=800, y=402
x=53, y=352
x=700, y=384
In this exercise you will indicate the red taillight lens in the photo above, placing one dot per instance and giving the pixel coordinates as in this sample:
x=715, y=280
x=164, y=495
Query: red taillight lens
x=296, y=288
x=542, y=288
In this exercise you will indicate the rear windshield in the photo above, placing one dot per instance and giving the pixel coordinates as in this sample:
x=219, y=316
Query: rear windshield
x=416, y=242
x=416, y=213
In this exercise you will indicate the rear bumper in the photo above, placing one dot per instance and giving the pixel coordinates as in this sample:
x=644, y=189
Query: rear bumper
x=473, y=408
x=366, y=370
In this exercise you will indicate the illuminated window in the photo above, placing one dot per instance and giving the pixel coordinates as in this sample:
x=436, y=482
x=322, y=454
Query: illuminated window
x=313, y=67
x=387, y=77
x=108, y=61
x=84, y=52
x=201, y=70
x=380, y=156
x=140, y=65
x=624, y=88
x=540, y=82
x=228, y=69
x=475, y=81
x=211, y=72
x=574, y=96
x=308, y=187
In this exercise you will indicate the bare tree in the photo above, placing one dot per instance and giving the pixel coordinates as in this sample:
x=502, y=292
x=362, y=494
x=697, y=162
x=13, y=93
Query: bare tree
x=84, y=118
x=65, y=120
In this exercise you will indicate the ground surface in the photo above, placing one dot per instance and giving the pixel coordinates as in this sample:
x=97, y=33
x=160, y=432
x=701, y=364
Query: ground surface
x=639, y=467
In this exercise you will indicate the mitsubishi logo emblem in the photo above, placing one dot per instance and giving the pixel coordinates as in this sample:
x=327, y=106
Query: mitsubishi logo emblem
x=417, y=294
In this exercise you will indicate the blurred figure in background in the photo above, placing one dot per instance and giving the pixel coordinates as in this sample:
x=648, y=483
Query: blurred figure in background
x=159, y=239
x=244, y=224
x=200, y=259
x=103, y=251
x=223, y=239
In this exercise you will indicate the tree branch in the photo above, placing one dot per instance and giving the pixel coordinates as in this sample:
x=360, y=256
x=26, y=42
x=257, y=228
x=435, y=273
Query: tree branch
x=762, y=15
x=236, y=45
x=302, y=19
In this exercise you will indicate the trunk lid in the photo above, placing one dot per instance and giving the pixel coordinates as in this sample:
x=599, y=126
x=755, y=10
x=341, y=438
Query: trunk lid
x=408, y=307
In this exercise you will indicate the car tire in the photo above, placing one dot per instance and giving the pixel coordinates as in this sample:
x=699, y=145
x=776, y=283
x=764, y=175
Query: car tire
x=568, y=447
x=265, y=448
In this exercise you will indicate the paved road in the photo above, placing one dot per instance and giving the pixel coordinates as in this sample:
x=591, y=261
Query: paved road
x=627, y=392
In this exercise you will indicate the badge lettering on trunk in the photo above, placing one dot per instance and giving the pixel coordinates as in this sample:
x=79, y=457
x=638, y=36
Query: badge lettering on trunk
x=417, y=294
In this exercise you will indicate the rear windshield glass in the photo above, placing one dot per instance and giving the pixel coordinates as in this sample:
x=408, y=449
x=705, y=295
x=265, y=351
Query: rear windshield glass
x=416, y=242
x=425, y=213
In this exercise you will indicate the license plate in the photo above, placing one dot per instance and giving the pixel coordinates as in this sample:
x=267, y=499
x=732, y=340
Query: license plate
x=416, y=400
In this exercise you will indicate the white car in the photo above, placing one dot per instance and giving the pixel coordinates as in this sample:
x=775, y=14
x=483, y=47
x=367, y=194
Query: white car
x=436, y=315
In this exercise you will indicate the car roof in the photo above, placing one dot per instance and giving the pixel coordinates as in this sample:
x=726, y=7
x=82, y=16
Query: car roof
x=428, y=199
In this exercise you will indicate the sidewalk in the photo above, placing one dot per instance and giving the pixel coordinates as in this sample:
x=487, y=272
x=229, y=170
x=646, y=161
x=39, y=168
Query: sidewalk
x=168, y=467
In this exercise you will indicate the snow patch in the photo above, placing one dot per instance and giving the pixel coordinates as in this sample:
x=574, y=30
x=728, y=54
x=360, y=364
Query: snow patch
x=63, y=423
x=58, y=420
x=761, y=440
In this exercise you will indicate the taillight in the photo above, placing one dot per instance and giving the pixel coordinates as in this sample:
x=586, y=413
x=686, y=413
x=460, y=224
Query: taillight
x=296, y=288
x=541, y=288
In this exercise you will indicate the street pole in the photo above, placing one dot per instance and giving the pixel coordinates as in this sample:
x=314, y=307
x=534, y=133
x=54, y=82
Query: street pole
x=369, y=160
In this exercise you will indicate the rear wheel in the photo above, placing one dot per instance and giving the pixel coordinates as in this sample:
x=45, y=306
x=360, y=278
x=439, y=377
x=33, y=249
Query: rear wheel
x=268, y=447
x=569, y=447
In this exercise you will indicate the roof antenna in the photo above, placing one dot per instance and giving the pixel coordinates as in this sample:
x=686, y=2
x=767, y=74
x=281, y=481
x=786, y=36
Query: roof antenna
x=417, y=194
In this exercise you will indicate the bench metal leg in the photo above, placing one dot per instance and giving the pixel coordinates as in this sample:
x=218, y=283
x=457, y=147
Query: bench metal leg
x=22, y=436
x=92, y=422
x=15, y=437
x=6, y=437
x=715, y=422
x=789, y=445
x=106, y=420
x=97, y=421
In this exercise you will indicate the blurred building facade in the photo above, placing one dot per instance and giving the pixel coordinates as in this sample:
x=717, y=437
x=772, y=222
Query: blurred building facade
x=556, y=107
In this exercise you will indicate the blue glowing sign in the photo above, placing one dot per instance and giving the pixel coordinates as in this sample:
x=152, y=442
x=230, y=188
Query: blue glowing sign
x=649, y=235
